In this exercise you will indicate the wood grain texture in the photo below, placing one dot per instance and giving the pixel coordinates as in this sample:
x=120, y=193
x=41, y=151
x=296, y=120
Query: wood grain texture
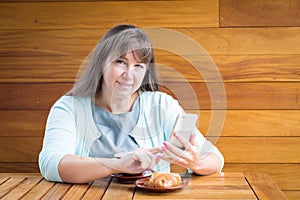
x=214, y=41
x=260, y=149
x=97, y=189
x=254, y=44
x=34, y=96
x=192, y=96
x=171, y=68
x=119, y=191
x=257, y=13
x=256, y=123
x=70, y=15
x=23, y=122
x=292, y=195
x=13, y=167
x=235, y=149
x=264, y=186
x=20, y=149
x=286, y=176
x=21, y=189
x=58, y=191
x=39, y=190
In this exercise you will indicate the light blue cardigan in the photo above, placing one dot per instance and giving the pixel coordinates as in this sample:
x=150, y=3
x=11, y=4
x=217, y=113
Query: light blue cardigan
x=71, y=129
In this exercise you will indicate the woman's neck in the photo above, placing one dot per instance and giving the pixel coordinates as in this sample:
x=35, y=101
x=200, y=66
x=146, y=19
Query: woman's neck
x=115, y=105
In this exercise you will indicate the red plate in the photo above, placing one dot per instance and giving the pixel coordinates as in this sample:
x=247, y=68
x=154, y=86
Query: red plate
x=130, y=178
x=142, y=183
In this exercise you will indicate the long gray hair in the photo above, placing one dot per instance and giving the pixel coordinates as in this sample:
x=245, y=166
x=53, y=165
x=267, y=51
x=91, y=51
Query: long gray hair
x=115, y=43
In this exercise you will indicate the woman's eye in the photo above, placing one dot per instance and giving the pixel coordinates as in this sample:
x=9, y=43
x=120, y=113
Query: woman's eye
x=121, y=62
x=140, y=66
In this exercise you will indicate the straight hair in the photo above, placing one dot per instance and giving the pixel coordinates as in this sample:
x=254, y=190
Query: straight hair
x=116, y=42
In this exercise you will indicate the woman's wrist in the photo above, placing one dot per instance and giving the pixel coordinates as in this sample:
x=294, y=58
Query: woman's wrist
x=207, y=165
x=108, y=165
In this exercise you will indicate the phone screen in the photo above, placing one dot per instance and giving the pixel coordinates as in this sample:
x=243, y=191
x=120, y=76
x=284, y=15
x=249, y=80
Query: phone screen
x=185, y=125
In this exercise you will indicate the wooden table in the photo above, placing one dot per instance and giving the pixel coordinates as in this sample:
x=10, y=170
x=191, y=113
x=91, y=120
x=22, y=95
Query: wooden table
x=216, y=186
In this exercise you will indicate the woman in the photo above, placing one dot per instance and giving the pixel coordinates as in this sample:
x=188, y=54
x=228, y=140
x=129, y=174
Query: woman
x=114, y=107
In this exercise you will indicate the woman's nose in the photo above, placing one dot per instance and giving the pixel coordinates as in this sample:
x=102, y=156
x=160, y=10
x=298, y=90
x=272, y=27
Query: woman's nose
x=129, y=72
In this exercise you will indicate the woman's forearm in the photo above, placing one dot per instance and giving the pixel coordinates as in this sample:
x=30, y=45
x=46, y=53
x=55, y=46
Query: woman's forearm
x=211, y=163
x=78, y=169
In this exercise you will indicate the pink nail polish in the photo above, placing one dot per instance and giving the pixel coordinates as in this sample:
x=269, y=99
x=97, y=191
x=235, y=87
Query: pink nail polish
x=165, y=143
x=163, y=148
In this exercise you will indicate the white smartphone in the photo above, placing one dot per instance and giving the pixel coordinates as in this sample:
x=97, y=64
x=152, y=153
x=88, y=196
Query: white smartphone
x=185, y=125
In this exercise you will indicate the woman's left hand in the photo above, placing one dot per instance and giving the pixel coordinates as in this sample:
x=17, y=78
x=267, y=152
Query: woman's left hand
x=189, y=157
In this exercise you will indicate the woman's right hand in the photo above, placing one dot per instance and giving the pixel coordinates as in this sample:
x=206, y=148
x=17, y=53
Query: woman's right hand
x=137, y=161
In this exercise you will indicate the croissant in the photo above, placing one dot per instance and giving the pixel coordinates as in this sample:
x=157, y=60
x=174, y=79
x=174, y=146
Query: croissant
x=164, y=180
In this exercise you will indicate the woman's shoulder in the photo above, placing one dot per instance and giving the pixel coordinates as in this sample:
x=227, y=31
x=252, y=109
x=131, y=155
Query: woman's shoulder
x=69, y=101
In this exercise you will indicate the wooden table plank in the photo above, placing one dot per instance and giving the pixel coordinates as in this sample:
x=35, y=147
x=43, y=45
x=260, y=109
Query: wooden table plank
x=215, y=186
x=97, y=189
x=190, y=192
x=77, y=191
x=119, y=191
x=9, y=185
x=3, y=179
x=39, y=190
x=264, y=186
x=21, y=189
x=58, y=191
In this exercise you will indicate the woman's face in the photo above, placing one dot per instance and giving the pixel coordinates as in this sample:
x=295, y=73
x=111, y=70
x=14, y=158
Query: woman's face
x=123, y=76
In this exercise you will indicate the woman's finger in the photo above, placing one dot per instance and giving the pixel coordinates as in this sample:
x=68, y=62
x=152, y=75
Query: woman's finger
x=185, y=142
x=155, y=150
x=171, y=157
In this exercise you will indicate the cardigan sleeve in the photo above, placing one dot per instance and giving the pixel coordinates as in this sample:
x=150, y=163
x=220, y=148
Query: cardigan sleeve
x=59, y=139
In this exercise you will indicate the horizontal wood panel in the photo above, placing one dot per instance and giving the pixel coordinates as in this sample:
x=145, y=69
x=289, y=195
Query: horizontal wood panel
x=285, y=175
x=171, y=68
x=36, y=15
x=237, y=122
x=253, y=122
x=260, y=149
x=23, y=122
x=191, y=96
x=26, y=167
x=259, y=13
x=31, y=96
x=20, y=149
x=229, y=68
x=234, y=149
x=239, y=95
x=226, y=41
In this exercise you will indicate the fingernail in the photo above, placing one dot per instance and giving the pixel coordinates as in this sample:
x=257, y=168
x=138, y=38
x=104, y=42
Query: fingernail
x=163, y=148
x=165, y=143
x=175, y=135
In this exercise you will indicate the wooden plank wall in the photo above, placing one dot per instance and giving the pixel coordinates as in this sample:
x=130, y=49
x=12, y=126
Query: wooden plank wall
x=254, y=43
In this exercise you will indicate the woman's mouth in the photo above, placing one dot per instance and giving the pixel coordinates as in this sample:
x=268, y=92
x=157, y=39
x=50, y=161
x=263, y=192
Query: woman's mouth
x=124, y=85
